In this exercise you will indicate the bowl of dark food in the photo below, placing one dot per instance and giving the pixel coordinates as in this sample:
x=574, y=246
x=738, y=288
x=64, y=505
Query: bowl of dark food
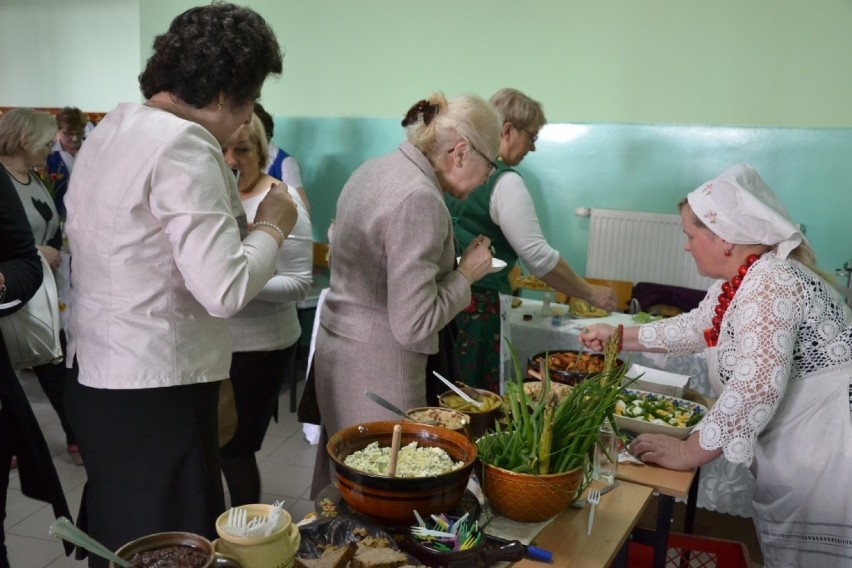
x=433, y=467
x=482, y=419
x=443, y=417
x=568, y=367
x=173, y=550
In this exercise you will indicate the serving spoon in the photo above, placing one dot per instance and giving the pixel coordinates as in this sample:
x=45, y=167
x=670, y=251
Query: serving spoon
x=385, y=403
x=466, y=397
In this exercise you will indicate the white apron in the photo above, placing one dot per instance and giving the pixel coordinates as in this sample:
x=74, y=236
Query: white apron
x=802, y=501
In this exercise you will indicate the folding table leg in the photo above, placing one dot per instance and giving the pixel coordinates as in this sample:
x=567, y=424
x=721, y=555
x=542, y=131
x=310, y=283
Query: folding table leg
x=691, y=504
x=661, y=535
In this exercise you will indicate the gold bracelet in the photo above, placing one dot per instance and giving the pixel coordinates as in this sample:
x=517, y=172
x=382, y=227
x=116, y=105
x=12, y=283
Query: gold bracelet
x=273, y=227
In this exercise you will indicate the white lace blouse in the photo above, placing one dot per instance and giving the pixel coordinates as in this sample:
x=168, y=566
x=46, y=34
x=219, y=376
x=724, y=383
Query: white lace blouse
x=784, y=324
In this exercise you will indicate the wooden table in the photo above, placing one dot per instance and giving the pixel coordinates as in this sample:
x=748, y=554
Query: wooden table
x=615, y=518
x=669, y=484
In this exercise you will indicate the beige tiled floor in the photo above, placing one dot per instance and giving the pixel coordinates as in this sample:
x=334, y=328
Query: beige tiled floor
x=286, y=465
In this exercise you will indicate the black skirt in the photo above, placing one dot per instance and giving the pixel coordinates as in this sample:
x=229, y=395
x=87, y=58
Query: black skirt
x=152, y=460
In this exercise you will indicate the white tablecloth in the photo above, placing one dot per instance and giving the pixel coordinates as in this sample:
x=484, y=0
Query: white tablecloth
x=724, y=487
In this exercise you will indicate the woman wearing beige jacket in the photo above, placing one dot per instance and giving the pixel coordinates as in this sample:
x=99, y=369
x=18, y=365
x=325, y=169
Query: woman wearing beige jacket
x=394, y=284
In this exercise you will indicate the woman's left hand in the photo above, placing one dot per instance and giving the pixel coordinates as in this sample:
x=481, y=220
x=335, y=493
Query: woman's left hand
x=660, y=449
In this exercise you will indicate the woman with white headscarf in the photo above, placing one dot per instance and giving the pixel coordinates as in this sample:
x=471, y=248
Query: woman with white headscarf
x=778, y=341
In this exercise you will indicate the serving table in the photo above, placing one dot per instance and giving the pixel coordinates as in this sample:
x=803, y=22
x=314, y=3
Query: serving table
x=669, y=484
x=615, y=517
x=724, y=487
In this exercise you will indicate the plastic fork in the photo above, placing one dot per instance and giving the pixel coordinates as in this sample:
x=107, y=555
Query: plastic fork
x=421, y=531
x=594, y=498
x=237, y=522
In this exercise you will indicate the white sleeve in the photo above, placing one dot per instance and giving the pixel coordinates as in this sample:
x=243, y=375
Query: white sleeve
x=191, y=199
x=291, y=174
x=512, y=208
x=294, y=267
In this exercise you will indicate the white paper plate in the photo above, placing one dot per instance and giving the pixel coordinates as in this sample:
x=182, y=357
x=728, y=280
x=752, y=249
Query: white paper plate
x=640, y=426
x=496, y=264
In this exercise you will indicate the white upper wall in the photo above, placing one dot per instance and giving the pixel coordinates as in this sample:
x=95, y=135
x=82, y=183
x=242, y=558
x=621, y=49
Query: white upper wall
x=56, y=53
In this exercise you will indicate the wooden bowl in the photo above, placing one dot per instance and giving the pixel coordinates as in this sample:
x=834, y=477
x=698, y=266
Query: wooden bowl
x=567, y=375
x=483, y=421
x=395, y=499
x=529, y=498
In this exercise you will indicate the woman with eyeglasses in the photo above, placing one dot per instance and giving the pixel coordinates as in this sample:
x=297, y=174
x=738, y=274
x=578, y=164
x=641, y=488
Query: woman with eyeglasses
x=71, y=126
x=394, y=279
x=503, y=210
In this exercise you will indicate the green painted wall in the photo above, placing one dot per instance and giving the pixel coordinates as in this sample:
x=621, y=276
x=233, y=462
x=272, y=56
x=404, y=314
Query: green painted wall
x=669, y=91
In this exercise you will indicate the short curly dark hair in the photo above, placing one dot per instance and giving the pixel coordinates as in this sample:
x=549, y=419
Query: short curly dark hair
x=218, y=48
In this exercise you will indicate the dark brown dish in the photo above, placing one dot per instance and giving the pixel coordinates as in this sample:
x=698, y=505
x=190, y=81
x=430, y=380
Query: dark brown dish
x=174, y=556
x=395, y=499
x=568, y=367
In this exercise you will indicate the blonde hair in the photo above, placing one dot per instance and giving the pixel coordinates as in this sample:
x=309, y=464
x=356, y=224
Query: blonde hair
x=257, y=136
x=518, y=109
x=433, y=125
x=25, y=129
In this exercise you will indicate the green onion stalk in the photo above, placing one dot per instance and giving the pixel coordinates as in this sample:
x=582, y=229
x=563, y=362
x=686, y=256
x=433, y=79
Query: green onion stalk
x=545, y=436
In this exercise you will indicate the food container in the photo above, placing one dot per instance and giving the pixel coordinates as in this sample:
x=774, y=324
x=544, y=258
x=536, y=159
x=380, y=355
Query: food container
x=641, y=424
x=443, y=417
x=481, y=421
x=170, y=540
x=566, y=368
x=394, y=499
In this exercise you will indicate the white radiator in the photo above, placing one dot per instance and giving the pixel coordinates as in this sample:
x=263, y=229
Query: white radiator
x=640, y=247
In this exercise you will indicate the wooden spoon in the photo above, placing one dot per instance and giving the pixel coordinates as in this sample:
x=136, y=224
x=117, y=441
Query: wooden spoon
x=395, y=441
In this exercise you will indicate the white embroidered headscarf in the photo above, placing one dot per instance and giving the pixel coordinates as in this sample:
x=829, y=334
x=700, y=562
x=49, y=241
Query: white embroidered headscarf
x=739, y=207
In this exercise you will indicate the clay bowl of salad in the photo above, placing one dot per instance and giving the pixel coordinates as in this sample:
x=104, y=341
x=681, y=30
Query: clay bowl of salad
x=647, y=412
x=433, y=468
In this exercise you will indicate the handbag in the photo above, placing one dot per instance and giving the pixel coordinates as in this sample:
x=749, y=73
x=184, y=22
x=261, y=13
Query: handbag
x=32, y=333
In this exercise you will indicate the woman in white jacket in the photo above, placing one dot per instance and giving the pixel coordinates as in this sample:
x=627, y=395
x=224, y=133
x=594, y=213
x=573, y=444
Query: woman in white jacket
x=158, y=261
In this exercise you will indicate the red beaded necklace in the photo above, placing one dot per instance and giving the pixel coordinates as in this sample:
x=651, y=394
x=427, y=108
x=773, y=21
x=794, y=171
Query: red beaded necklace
x=729, y=290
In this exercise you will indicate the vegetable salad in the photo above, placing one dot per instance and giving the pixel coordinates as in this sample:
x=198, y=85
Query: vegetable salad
x=658, y=409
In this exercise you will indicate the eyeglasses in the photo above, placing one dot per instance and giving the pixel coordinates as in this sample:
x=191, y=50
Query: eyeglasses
x=533, y=137
x=491, y=163
x=78, y=134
